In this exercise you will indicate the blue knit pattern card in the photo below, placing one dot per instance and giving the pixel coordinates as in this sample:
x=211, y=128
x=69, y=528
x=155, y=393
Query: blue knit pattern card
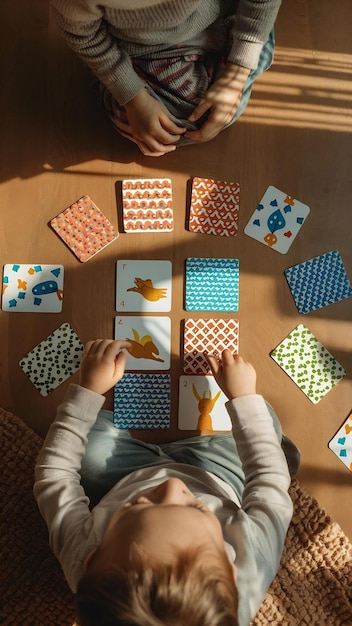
x=142, y=401
x=212, y=284
x=318, y=282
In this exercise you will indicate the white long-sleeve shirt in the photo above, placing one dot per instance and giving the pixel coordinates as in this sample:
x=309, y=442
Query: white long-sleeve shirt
x=108, y=34
x=254, y=526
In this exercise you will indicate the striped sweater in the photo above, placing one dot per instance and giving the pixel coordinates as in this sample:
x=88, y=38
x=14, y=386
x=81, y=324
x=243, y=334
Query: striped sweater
x=107, y=35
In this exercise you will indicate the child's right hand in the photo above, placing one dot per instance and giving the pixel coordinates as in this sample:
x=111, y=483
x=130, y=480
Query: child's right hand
x=235, y=376
x=103, y=364
x=152, y=128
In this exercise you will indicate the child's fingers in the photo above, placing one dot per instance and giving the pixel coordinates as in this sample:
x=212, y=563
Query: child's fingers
x=99, y=347
x=228, y=358
x=200, y=109
x=87, y=347
x=113, y=349
x=171, y=127
x=91, y=347
x=147, y=151
x=121, y=361
x=214, y=364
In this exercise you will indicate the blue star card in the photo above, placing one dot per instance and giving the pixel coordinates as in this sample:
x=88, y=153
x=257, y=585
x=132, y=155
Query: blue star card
x=341, y=443
x=212, y=284
x=142, y=401
x=33, y=288
x=318, y=282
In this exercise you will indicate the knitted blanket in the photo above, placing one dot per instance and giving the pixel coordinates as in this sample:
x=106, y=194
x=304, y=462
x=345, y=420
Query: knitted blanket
x=312, y=587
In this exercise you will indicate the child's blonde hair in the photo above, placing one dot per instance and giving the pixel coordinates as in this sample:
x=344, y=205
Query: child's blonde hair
x=151, y=593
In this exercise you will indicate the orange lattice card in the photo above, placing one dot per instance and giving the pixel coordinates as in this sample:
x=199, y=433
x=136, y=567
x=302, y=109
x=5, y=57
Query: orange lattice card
x=214, y=207
x=207, y=336
x=84, y=228
x=147, y=205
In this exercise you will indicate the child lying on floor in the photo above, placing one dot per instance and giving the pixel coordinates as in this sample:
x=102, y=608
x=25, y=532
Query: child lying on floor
x=188, y=532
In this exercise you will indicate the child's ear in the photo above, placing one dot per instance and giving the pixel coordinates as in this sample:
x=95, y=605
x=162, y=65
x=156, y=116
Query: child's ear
x=88, y=559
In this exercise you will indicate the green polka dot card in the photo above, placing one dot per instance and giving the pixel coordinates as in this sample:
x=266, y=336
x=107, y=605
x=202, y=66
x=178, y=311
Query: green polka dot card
x=53, y=360
x=310, y=365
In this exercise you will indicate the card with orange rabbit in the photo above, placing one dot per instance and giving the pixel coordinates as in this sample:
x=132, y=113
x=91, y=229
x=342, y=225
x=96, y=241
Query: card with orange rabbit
x=143, y=286
x=149, y=338
x=201, y=404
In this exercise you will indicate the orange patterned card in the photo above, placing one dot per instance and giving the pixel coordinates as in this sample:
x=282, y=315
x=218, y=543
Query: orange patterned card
x=214, y=207
x=84, y=228
x=147, y=205
x=207, y=336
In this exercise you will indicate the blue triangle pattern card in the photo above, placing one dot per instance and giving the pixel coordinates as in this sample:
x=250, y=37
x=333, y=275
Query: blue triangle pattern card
x=150, y=341
x=143, y=286
x=32, y=288
x=318, y=282
x=211, y=284
x=201, y=404
x=142, y=401
x=310, y=365
x=53, y=360
x=341, y=443
x=277, y=220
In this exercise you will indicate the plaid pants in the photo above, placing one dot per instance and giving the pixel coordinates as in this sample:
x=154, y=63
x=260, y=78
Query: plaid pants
x=179, y=83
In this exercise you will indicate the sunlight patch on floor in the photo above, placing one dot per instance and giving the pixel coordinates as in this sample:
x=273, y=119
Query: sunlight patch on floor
x=304, y=90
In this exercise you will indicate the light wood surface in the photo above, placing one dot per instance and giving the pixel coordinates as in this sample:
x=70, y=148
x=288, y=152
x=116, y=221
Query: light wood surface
x=57, y=145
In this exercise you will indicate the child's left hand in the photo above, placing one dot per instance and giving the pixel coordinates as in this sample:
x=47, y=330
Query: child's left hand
x=222, y=99
x=103, y=364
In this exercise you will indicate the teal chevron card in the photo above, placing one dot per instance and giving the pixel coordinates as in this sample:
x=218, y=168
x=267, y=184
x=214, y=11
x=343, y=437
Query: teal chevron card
x=212, y=284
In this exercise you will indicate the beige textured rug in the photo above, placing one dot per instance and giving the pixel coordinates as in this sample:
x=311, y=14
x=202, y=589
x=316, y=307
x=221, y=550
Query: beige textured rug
x=313, y=586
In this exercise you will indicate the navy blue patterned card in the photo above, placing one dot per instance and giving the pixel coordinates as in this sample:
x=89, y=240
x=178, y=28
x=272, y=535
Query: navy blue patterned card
x=318, y=282
x=142, y=401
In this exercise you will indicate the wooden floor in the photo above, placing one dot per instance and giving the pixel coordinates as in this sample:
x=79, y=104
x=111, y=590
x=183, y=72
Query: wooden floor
x=57, y=145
